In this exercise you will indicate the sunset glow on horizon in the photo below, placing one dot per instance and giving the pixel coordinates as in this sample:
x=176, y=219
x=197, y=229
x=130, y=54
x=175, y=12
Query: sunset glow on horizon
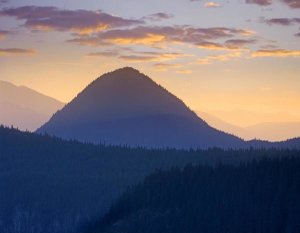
x=238, y=60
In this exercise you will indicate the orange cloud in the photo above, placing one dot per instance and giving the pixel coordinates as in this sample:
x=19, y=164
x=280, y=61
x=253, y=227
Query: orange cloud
x=149, y=39
x=156, y=35
x=222, y=57
x=212, y=5
x=165, y=66
x=211, y=46
x=232, y=44
x=151, y=57
x=276, y=53
x=184, y=72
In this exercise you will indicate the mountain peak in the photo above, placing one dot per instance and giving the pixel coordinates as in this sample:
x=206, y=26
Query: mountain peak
x=125, y=73
x=124, y=79
x=127, y=107
x=127, y=69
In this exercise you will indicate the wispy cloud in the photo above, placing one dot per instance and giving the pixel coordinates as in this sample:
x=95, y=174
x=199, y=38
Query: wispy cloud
x=221, y=58
x=184, y=71
x=212, y=5
x=107, y=53
x=131, y=55
x=281, y=21
x=55, y=19
x=158, y=16
x=294, y=4
x=151, y=57
x=155, y=35
x=260, y=2
x=166, y=66
x=97, y=28
x=239, y=43
x=276, y=53
x=16, y=51
x=211, y=45
x=232, y=44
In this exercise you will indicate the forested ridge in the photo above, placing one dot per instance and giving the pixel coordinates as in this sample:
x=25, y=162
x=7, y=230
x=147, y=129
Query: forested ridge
x=260, y=197
x=51, y=185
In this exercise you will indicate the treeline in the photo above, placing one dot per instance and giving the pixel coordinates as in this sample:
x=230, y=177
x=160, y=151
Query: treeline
x=260, y=197
x=49, y=185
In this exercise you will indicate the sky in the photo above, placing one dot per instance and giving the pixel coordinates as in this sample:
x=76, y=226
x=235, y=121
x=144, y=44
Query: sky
x=236, y=59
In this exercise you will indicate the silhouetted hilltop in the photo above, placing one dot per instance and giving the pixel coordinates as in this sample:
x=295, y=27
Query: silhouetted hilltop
x=126, y=107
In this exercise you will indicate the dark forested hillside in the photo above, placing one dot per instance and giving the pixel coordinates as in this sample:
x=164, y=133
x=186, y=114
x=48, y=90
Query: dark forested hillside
x=51, y=185
x=260, y=197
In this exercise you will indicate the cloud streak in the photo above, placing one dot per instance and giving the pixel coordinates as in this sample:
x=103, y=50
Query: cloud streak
x=16, y=51
x=276, y=53
x=282, y=21
x=158, y=16
x=184, y=71
x=221, y=58
x=294, y=4
x=107, y=53
x=55, y=19
x=131, y=55
x=166, y=66
x=239, y=43
x=152, y=57
x=156, y=35
x=232, y=44
x=260, y=2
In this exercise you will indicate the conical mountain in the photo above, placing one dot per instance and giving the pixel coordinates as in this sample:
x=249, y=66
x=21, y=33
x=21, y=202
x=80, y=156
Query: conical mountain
x=125, y=107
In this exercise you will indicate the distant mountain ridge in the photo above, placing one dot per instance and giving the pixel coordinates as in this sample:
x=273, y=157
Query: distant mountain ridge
x=125, y=107
x=25, y=108
x=271, y=131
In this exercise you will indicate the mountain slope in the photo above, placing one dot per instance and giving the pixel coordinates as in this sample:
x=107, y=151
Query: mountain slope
x=223, y=125
x=127, y=107
x=25, y=108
